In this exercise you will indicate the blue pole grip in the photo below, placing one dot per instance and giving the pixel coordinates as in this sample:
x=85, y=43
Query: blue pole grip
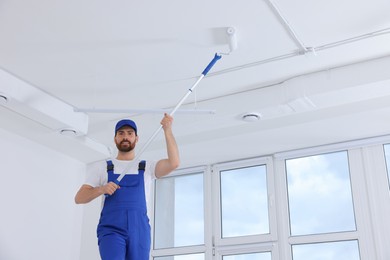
x=211, y=64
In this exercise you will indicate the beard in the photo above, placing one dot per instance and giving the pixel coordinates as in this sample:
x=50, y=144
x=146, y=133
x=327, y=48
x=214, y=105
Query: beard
x=125, y=146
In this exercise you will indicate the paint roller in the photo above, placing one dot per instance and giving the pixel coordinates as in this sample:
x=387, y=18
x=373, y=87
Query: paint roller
x=232, y=38
x=232, y=42
x=204, y=73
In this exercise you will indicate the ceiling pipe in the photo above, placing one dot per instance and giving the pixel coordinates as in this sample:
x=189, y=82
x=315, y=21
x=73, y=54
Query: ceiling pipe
x=313, y=50
x=143, y=111
x=288, y=27
x=353, y=39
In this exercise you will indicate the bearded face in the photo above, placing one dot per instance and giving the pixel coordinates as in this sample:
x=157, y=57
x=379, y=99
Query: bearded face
x=125, y=146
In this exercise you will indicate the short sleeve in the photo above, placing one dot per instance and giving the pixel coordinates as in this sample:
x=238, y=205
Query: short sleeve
x=96, y=174
x=151, y=169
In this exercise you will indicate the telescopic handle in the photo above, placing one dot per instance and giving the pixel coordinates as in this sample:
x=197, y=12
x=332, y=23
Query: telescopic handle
x=204, y=73
x=211, y=64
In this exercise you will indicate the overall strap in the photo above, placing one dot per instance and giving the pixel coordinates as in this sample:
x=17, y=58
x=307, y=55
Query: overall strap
x=110, y=167
x=141, y=166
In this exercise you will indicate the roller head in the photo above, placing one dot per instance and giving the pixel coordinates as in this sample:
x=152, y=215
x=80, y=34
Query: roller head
x=232, y=38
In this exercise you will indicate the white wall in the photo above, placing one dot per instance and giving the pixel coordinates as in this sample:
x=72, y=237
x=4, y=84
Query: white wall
x=38, y=216
x=89, y=245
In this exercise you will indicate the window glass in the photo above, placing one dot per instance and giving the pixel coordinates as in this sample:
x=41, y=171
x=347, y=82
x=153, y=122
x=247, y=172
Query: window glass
x=344, y=250
x=179, y=211
x=244, y=203
x=181, y=257
x=319, y=194
x=387, y=155
x=254, y=256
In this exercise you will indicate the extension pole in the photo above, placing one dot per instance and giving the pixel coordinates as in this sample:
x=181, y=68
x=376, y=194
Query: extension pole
x=204, y=73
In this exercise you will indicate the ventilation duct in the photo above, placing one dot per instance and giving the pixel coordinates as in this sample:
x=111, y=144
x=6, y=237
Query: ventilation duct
x=39, y=106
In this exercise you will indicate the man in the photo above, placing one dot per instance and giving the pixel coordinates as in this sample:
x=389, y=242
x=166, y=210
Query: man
x=124, y=230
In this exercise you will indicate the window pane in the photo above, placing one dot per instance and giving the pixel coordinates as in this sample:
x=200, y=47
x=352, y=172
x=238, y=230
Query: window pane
x=255, y=256
x=244, y=201
x=179, y=211
x=181, y=257
x=319, y=191
x=345, y=250
x=387, y=155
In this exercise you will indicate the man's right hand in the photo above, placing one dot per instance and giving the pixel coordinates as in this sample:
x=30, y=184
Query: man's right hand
x=110, y=188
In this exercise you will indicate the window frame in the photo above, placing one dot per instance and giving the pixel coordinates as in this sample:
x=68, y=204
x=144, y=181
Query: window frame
x=183, y=250
x=220, y=243
x=370, y=192
x=350, y=187
x=358, y=152
x=387, y=163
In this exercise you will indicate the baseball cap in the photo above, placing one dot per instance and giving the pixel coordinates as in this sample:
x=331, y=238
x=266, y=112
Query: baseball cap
x=126, y=122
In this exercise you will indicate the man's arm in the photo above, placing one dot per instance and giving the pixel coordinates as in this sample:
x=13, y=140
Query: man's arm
x=165, y=166
x=88, y=193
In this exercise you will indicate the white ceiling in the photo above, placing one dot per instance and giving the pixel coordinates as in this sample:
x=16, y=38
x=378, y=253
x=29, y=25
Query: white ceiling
x=317, y=72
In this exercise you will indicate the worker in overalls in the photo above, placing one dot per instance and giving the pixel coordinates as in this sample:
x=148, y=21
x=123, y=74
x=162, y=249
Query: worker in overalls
x=124, y=230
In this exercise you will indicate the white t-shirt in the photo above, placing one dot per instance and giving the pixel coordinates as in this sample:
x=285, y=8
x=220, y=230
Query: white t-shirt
x=97, y=174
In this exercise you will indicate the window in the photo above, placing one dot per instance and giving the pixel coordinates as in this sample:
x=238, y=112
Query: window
x=297, y=205
x=182, y=257
x=244, y=201
x=347, y=250
x=179, y=217
x=319, y=193
x=253, y=256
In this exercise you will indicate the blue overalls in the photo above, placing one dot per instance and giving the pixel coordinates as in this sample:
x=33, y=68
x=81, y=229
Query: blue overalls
x=124, y=230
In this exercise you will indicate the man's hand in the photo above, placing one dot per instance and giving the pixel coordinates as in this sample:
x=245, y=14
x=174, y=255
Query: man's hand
x=87, y=193
x=110, y=188
x=167, y=121
x=165, y=166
